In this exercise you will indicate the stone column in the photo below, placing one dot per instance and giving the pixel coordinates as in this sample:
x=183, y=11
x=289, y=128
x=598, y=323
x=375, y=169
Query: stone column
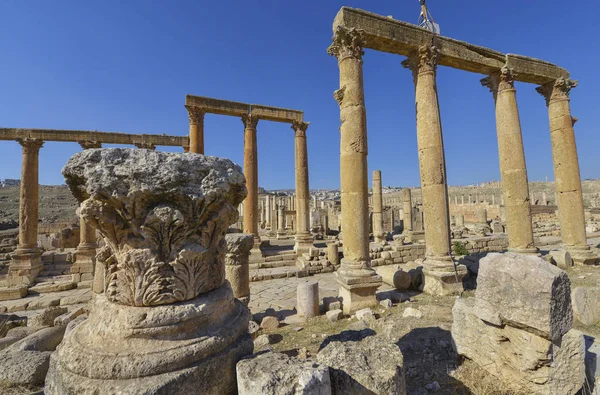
x=85, y=257
x=196, y=117
x=26, y=263
x=358, y=282
x=303, y=239
x=251, y=172
x=268, y=211
x=237, y=268
x=567, y=178
x=378, y=234
x=513, y=171
x=439, y=270
x=407, y=211
x=281, y=222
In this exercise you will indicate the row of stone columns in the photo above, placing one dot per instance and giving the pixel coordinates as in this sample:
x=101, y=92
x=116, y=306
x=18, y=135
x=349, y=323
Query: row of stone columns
x=355, y=276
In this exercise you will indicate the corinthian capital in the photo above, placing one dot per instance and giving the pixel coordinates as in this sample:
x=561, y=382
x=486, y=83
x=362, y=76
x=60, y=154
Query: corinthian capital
x=30, y=145
x=499, y=81
x=300, y=128
x=195, y=114
x=422, y=61
x=250, y=121
x=557, y=90
x=347, y=43
x=87, y=144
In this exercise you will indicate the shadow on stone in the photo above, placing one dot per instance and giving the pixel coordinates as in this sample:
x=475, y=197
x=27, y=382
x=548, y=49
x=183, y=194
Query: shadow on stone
x=429, y=357
x=348, y=336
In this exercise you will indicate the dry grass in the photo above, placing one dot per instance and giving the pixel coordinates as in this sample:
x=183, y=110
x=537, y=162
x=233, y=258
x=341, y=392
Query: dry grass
x=12, y=389
x=480, y=382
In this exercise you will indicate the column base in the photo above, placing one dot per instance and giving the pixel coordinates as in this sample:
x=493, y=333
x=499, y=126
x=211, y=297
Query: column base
x=358, y=286
x=83, y=267
x=526, y=251
x=281, y=234
x=583, y=256
x=303, y=242
x=440, y=277
x=25, y=266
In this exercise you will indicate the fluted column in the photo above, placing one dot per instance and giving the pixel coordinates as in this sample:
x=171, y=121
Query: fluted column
x=438, y=266
x=196, y=117
x=567, y=178
x=358, y=282
x=513, y=170
x=26, y=263
x=251, y=172
x=378, y=234
x=303, y=240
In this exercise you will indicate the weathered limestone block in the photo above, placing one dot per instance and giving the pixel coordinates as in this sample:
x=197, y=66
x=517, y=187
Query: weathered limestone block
x=277, y=374
x=237, y=269
x=394, y=276
x=525, y=292
x=361, y=363
x=167, y=319
x=537, y=364
x=586, y=304
x=562, y=258
x=24, y=367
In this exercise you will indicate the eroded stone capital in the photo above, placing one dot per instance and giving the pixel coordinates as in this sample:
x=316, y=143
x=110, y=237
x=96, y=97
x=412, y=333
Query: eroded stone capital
x=502, y=80
x=557, y=90
x=195, y=114
x=300, y=128
x=30, y=146
x=250, y=121
x=347, y=43
x=422, y=61
x=88, y=144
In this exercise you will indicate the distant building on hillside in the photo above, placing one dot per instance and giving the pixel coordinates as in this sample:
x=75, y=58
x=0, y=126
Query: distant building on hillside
x=10, y=182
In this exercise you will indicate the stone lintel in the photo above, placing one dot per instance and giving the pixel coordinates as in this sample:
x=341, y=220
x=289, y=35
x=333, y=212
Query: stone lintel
x=217, y=106
x=402, y=38
x=277, y=114
x=96, y=136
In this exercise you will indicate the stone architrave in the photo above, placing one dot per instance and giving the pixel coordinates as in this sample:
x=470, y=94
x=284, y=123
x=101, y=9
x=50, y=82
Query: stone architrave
x=358, y=281
x=378, y=233
x=85, y=258
x=237, y=268
x=168, y=319
x=26, y=262
x=196, y=116
x=513, y=171
x=303, y=239
x=441, y=276
x=567, y=178
x=251, y=172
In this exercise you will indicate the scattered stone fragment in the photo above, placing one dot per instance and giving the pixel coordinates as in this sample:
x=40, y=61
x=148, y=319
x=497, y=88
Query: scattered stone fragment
x=46, y=339
x=411, y=312
x=298, y=328
x=278, y=374
x=253, y=329
x=24, y=367
x=264, y=340
x=47, y=317
x=386, y=303
x=361, y=362
x=269, y=323
x=64, y=319
x=365, y=315
x=586, y=304
x=334, y=315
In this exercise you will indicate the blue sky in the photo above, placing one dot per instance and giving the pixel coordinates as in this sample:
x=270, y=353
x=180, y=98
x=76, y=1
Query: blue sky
x=127, y=65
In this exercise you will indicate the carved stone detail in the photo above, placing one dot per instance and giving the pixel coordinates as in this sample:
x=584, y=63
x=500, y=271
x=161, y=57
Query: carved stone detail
x=89, y=144
x=195, y=114
x=148, y=146
x=30, y=146
x=338, y=95
x=250, y=121
x=500, y=81
x=164, y=234
x=557, y=90
x=422, y=61
x=347, y=43
x=300, y=128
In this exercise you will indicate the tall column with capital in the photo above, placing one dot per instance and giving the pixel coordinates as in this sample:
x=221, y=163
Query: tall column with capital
x=303, y=239
x=513, y=171
x=85, y=257
x=439, y=271
x=567, y=178
x=358, y=281
x=196, y=117
x=407, y=219
x=26, y=263
x=251, y=172
x=378, y=234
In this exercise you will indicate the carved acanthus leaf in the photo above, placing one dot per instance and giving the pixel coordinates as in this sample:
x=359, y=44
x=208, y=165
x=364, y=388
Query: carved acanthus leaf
x=250, y=121
x=557, y=90
x=347, y=43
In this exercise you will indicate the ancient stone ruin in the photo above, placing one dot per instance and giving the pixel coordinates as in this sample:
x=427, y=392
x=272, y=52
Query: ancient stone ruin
x=167, y=319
